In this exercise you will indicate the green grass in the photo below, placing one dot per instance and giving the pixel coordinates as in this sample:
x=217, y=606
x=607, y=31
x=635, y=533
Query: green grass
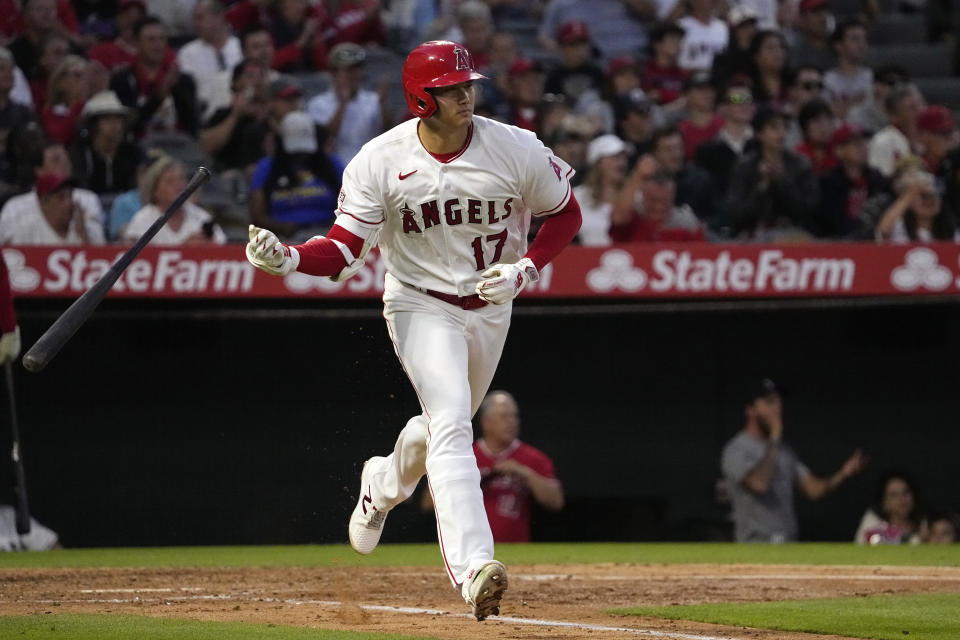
x=116, y=627
x=913, y=617
x=428, y=555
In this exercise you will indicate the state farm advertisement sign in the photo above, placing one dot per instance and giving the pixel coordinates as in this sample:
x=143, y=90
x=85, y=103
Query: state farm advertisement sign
x=695, y=270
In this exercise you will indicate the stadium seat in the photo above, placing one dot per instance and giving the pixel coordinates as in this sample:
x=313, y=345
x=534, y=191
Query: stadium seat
x=898, y=29
x=920, y=60
x=945, y=91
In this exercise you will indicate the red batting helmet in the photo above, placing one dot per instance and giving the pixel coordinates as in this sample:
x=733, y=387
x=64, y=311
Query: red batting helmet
x=438, y=63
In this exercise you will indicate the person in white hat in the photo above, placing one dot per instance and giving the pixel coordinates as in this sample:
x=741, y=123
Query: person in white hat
x=104, y=159
x=294, y=191
x=607, y=167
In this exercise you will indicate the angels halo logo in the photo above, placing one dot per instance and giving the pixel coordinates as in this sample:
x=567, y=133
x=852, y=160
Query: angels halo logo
x=463, y=59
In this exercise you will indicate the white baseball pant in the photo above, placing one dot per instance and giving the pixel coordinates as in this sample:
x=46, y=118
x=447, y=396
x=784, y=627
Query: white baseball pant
x=450, y=355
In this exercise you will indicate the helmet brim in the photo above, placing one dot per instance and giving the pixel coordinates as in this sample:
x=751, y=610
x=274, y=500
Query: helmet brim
x=454, y=77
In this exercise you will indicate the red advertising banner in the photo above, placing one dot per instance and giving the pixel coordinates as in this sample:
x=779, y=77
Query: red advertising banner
x=665, y=271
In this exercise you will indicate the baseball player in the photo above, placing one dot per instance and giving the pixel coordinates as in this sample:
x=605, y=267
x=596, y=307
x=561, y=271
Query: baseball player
x=447, y=196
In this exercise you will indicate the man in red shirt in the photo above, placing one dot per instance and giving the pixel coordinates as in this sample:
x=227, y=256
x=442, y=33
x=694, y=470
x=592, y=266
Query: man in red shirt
x=511, y=472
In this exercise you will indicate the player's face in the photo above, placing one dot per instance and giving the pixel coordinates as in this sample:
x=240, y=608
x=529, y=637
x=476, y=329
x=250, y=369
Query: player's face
x=455, y=104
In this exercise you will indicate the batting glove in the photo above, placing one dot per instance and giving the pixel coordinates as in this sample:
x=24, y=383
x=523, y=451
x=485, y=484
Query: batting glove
x=265, y=251
x=503, y=282
x=10, y=345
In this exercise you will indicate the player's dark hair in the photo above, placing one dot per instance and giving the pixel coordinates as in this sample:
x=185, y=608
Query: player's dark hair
x=145, y=22
x=282, y=167
x=840, y=32
x=251, y=31
x=793, y=76
x=811, y=111
x=661, y=133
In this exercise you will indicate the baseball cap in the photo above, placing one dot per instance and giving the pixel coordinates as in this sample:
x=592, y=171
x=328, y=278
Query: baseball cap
x=697, y=80
x=846, y=133
x=521, y=66
x=763, y=388
x=285, y=87
x=299, y=133
x=936, y=119
x=634, y=101
x=741, y=13
x=813, y=5
x=346, y=54
x=619, y=64
x=603, y=146
x=573, y=31
x=49, y=182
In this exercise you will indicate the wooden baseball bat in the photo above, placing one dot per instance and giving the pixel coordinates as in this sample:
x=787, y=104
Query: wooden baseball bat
x=50, y=343
x=22, y=507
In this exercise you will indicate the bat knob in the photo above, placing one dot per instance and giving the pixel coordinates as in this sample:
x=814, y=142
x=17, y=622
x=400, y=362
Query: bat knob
x=32, y=364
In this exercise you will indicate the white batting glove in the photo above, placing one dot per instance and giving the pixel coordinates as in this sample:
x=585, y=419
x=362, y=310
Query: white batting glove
x=265, y=251
x=10, y=346
x=503, y=282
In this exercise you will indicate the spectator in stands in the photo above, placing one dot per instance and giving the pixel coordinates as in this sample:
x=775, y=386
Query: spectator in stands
x=525, y=94
x=616, y=28
x=568, y=137
x=351, y=114
x=894, y=517
x=693, y=186
x=871, y=115
x=53, y=50
x=52, y=157
x=936, y=135
x=127, y=204
x=103, y=159
x=234, y=136
x=635, y=123
x=720, y=155
x=12, y=114
x=163, y=182
x=773, y=192
x=814, y=25
x=663, y=79
x=68, y=92
x=294, y=192
x=48, y=215
x=705, y=36
x=702, y=122
x=577, y=72
x=762, y=472
x=919, y=213
x=354, y=21
x=297, y=26
x=513, y=474
x=804, y=84
x=286, y=95
x=735, y=60
x=473, y=30
x=162, y=97
x=607, y=168
x=176, y=15
x=896, y=141
x=845, y=188
x=121, y=51
x=817, y=123
x=215, y=50
x=851, y=81
x=623, y=76
x=657, y=219
x=770, y=73
x=39, y=22
x=944, y=528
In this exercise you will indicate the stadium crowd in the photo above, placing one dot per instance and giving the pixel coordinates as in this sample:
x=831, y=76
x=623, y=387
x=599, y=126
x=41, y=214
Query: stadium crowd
x=757, y=120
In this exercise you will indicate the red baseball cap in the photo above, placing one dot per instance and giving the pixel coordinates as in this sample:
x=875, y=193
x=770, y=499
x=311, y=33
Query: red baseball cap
x=619, y=64
x=521, y=66
x=573, y=31
x=936, y=119
x=845, y=133
x=813, y=5
x=50, y=182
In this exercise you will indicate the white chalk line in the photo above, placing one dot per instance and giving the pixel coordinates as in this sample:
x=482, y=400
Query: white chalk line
x=537, y=622
x=546, y=577
x=142, y=590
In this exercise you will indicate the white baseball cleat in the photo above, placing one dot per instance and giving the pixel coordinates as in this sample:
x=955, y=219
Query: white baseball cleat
x=366, y=521
x=484, y=589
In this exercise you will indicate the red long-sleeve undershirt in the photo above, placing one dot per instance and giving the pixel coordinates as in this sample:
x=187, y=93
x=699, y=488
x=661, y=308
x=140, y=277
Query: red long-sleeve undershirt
x=322, y=257
x=8, y=318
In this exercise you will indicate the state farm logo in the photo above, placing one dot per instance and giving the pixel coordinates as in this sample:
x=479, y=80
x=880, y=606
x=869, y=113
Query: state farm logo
x=22, y=277
x=921, y=269
x=616, y=271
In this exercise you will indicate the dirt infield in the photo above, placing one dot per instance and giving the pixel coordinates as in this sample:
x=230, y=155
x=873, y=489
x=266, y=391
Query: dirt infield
x=543, y=601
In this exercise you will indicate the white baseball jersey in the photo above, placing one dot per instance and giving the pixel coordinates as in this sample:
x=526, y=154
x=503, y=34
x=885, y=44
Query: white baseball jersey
x=443, y=224
x=701, y=42
x=22, y=222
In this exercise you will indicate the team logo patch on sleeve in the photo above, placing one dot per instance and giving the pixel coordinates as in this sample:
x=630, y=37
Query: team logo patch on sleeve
x=556, y=168
x=341, y=198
